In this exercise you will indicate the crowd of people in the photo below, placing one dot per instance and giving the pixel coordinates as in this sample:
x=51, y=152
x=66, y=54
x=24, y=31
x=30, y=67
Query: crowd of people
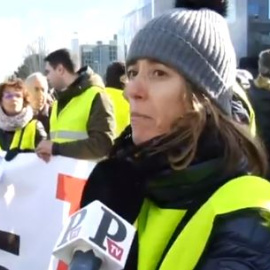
x=182, y=139
x=67, y=112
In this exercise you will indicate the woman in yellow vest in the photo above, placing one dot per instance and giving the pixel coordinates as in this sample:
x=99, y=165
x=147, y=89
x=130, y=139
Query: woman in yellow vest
x=186, y=173
x=18, y=131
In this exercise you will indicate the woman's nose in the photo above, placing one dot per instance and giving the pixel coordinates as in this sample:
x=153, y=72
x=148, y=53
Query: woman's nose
x=136, y=88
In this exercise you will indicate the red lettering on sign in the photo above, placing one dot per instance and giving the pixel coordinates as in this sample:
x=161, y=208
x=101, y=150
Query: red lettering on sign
x=115, y=250
x=69, y=189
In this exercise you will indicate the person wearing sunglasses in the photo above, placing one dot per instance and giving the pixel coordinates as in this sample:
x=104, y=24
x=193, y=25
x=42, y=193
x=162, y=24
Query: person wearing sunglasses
x=19, y=132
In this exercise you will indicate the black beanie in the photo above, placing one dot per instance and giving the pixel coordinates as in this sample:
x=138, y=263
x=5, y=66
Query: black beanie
x=114, y=72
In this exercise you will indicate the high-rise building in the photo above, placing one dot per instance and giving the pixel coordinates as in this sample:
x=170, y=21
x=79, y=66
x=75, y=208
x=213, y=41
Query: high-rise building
x=248, y=20
x=87, y=58
x=100, y=55
x=75, y=49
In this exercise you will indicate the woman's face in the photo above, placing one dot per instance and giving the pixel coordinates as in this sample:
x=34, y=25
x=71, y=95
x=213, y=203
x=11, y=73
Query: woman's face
x=158, y=97
x=12, y=100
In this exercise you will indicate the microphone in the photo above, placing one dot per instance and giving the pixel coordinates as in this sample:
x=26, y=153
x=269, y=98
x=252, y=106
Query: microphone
x=95, y=238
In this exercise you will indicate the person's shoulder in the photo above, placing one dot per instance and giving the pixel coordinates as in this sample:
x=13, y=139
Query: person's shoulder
x=239, y=241
x=257, y=94
x=247, y=230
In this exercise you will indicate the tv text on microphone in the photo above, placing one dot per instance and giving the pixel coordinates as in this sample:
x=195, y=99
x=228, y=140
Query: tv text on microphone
x=96, y=227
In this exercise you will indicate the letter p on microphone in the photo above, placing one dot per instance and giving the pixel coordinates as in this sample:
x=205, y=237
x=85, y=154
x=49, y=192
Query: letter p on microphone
x=96, y=227
x=73, y=228
x=113, y=230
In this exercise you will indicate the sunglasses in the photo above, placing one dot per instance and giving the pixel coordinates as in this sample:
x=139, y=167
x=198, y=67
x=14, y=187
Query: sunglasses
x=8, y=95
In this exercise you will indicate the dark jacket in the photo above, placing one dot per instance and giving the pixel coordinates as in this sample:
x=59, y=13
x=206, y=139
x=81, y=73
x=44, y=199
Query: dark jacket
x=100, y=125
x=239, y=241
x=260, y=99
x=44, y=117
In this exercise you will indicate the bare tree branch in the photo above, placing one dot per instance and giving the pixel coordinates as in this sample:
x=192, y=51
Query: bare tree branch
x=34, y=59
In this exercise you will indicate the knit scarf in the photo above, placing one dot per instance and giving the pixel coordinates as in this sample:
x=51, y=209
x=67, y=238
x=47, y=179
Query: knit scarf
x=20, y=120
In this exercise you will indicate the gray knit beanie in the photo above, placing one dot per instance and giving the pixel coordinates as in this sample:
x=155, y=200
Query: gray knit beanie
x=264, y=63
x=195, y=42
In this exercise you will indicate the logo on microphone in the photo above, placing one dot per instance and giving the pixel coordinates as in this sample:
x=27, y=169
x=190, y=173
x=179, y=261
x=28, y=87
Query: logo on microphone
x=110, y=232
x=74, y=233
x=103, y=234
x=115, y=250
x=74, y=227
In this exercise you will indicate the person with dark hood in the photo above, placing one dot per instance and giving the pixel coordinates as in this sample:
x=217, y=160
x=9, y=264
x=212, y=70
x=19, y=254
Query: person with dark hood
x=259, y=94
x=115, y=80
x=19, y=132
x=185, y=172
x=81, y=122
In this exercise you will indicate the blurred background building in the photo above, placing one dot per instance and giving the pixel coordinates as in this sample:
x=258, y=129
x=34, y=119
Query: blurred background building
x=248, y=20
x=98, y=56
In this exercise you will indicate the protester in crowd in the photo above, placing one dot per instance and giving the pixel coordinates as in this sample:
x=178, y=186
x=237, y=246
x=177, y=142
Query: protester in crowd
x=243, y=111
x=184, y=172
x=115, y=79
x=259, y=94
x=81, y=122
x=39, y=98
x=18, y=131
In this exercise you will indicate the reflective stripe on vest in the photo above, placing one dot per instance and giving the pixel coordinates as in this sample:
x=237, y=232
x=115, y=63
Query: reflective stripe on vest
x=121, y=109
x=69, y=135
x=240, y=193
x=26, y=135
x=71, y=123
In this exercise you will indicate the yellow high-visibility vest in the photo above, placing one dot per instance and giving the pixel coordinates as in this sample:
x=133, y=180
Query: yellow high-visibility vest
x=121, y=109
x=24, y=138
x=156, y=226
x=71, y=123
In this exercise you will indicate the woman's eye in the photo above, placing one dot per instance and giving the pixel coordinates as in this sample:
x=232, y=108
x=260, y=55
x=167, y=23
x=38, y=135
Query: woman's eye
x=159, y=73
x=131, y=73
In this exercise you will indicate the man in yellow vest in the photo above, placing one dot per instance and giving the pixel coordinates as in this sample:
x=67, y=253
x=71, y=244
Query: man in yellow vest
x=115, y=84
x=81, y=121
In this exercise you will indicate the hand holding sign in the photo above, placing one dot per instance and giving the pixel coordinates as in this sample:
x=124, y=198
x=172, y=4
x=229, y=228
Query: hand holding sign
x=96, y=228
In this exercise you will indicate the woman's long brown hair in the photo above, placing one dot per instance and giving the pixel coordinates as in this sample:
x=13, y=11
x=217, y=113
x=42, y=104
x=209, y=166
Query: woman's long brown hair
x=236, y=137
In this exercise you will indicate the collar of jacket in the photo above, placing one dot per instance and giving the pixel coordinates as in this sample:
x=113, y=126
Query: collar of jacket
x=80, y=85
x=180, y=189
x=170, y=188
